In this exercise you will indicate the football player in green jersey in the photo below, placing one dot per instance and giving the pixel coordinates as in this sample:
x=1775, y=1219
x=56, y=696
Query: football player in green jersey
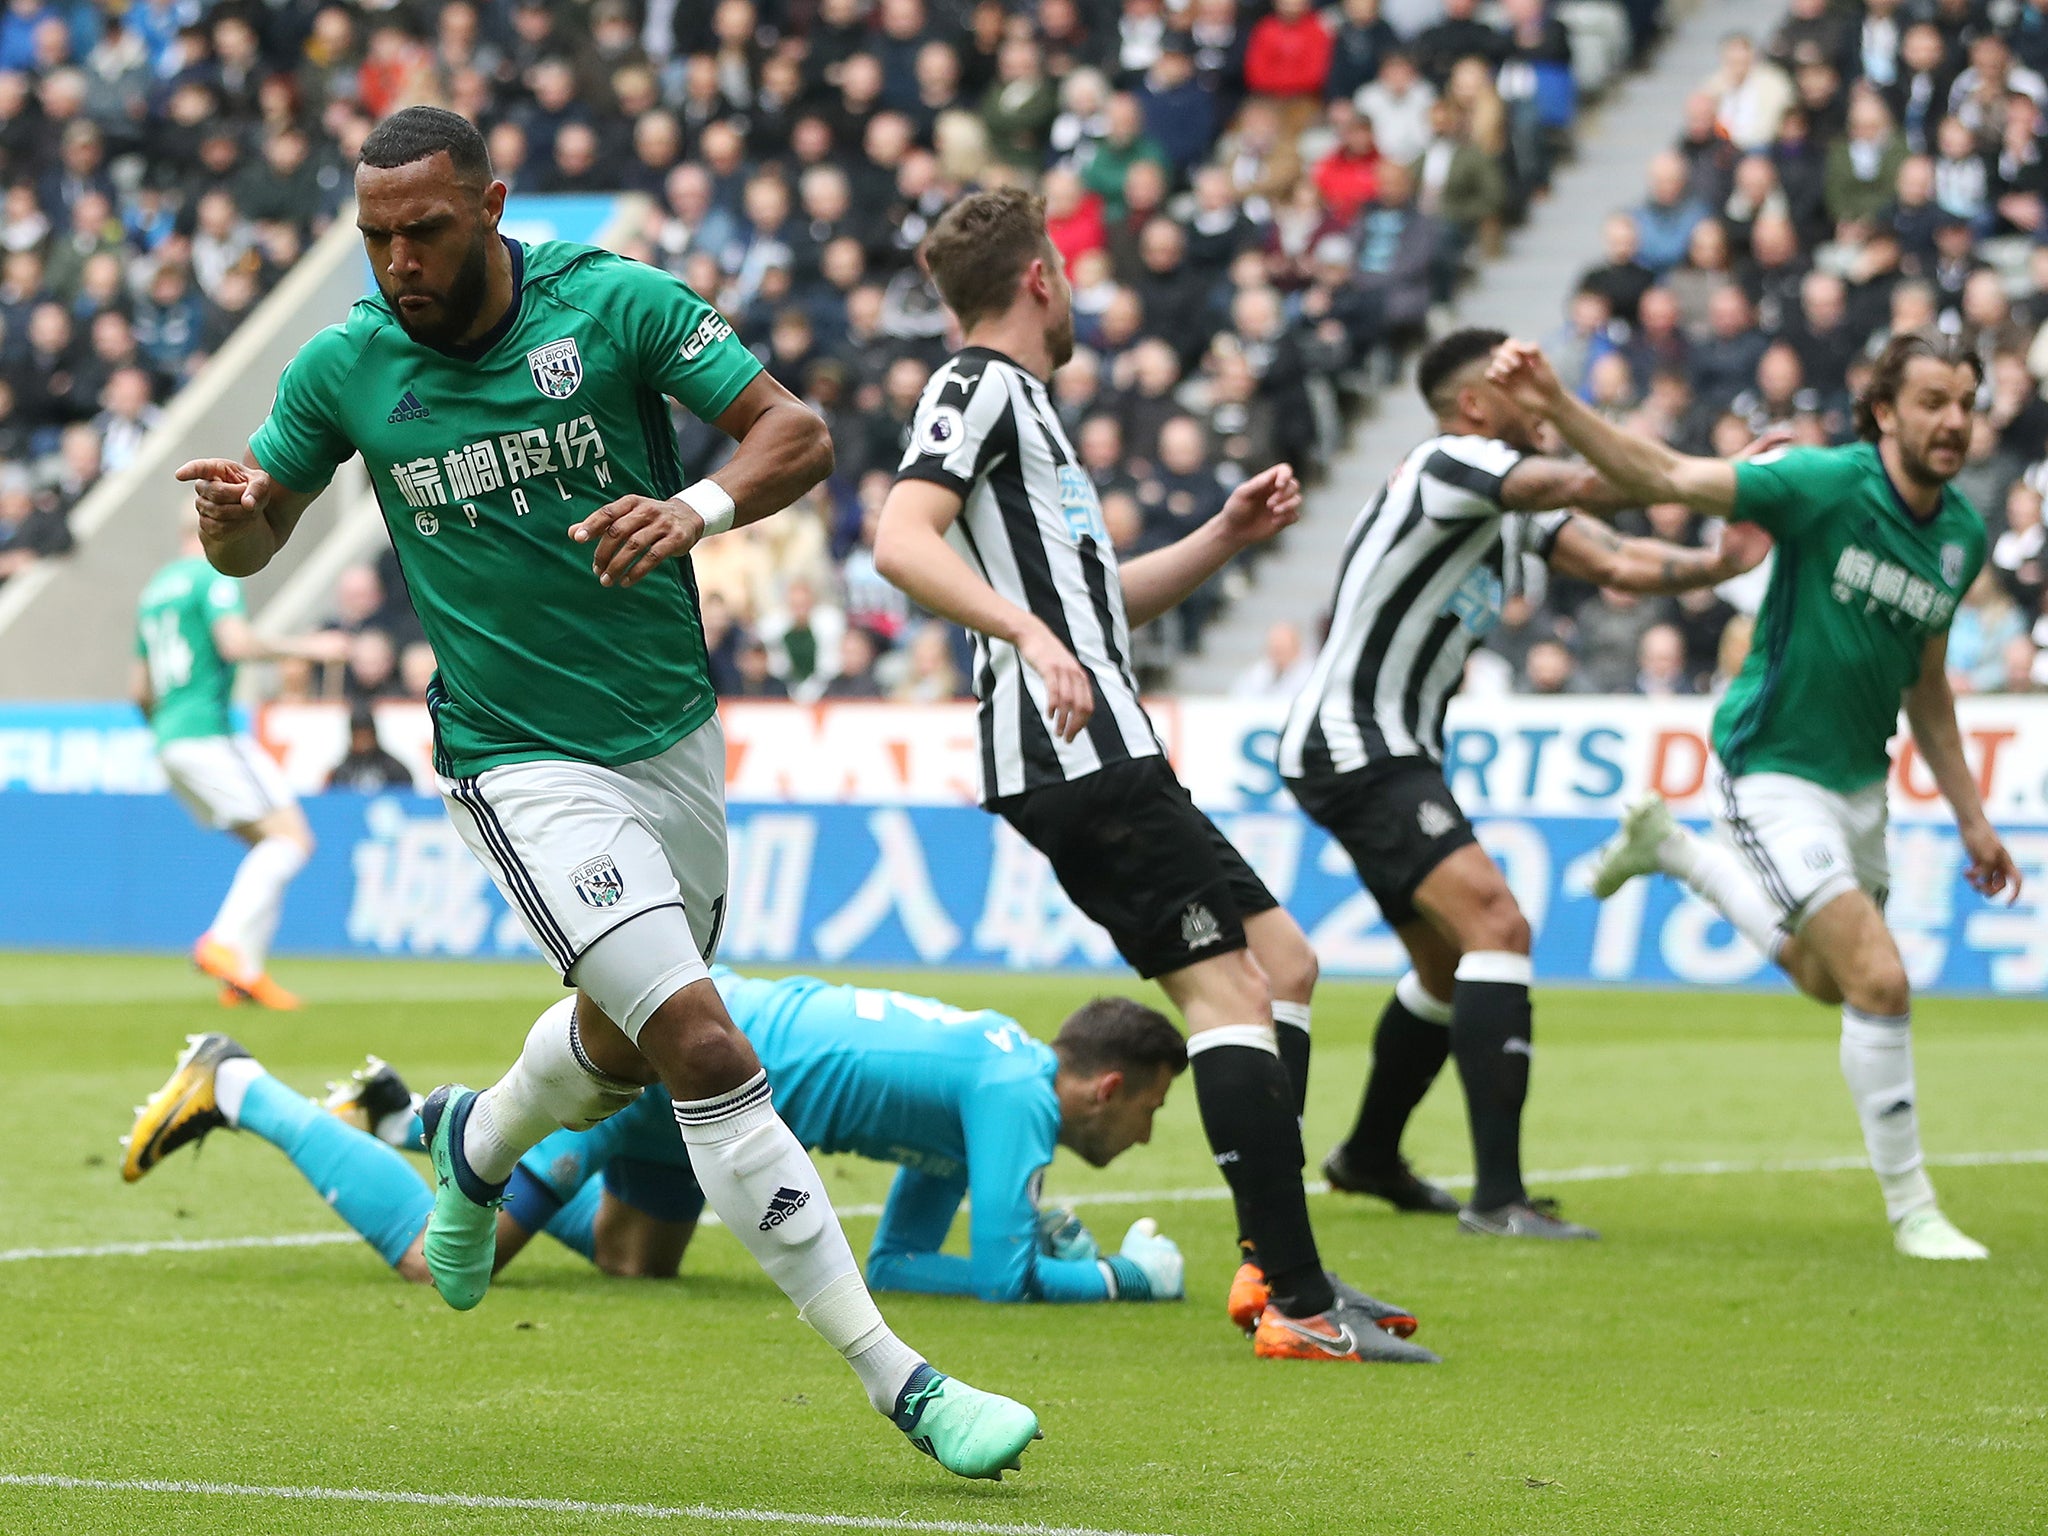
x=191, y=630
x=1874, y=549
x=511, y=403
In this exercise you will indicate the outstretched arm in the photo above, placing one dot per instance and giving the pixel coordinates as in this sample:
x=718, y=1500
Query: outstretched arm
x=236, y=640
x=1637, y=466
x=1258, y=509
x=245, y=516
x=1931, y=712
x=912, y=553
x=1595, y=553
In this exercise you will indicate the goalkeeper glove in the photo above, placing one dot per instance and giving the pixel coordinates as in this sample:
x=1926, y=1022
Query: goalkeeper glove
x=1149, y=1267
x=1061, y=1235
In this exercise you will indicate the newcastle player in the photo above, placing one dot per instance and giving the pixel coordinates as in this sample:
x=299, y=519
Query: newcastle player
x=1424, y=572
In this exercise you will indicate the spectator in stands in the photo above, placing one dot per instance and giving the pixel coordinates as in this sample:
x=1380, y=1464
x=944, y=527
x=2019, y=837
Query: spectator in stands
x=1398, y=248
x=1723, y=364
x=1707, y=268
x=1359, y=44
x=1124, y=143
x=1621, y=279
x=415, y=670
x=756, y=678
x=2019, y=554
x=1179, y=112
x=1986, y=621
x=929, y=675
x=1552, y=670
x=1751, y=95
x=1665, y=219
x=366, y=768
x=854, y=676
x=1863, y=167
x=2024, y=670
x=129, y=415
x=1611, y=626
x=1021, y=105
x=1457, y=35
x=1458, y=183
x=1288, y=56
x=802, y=637
x=1398, y=104
x=1661, y=664
x=1283, y=666
x=28, y=533
x=1348, y=176
x=372, y=669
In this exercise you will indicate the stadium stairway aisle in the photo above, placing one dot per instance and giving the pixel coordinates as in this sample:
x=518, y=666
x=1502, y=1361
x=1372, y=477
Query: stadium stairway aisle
x=1523, y=292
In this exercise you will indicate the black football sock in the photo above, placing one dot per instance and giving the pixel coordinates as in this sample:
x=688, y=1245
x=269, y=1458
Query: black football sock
x=1490, y=1036
x=1408, y=1051
x=1290, y=1028
x=1248, y=1113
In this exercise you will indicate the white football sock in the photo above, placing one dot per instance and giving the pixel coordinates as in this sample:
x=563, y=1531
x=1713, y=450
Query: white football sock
x=1877, y=1063
x=1716, y=874
x=552, y=1085
x=247, y=919
x=231, y=1080
x=756, y=1176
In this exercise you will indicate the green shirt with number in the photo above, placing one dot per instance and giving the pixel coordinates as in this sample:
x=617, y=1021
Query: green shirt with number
x=190, y=680
x=1858, y=588
x=484, y=457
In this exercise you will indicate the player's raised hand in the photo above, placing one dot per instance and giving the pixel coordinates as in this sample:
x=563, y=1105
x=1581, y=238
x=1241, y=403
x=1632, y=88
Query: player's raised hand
x=1263, y=505
x=1520, y=368
x=635, y=534
x=1992, y=869
x=227, y=494
x=1069, y=690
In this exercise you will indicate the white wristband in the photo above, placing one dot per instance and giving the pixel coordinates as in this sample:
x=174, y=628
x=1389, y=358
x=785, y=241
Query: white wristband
x=708, y=499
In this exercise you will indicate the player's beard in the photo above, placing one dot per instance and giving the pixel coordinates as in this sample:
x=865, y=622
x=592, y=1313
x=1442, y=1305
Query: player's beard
x=1059, y=339
x=456, y=310
x=1918, y=467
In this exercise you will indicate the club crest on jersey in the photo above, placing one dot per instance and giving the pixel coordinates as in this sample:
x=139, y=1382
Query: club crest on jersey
x=1951, y=564
x=1434, y=820
x=557, y=368
x=1198, y=927
x=598, y=882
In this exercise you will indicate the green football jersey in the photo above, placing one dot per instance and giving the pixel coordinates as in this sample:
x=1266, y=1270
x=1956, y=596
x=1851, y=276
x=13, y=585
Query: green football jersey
x=483, y=458
x=191, y=680
x=1859, y=587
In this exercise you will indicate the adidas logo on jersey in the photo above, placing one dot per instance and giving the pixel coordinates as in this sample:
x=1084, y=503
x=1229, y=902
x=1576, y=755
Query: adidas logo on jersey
x=1198, y=926
x=785, y=1204
x=407, y=409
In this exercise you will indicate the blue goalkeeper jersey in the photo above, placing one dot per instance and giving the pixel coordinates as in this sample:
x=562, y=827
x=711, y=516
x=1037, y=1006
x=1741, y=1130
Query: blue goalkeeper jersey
x=962, y=1101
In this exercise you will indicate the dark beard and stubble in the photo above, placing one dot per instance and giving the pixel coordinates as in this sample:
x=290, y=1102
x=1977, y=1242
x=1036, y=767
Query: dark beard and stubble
x=459, y=306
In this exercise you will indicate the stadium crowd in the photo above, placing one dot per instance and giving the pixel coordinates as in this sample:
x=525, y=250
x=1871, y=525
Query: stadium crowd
x=1865, y=169
x=1260, y=201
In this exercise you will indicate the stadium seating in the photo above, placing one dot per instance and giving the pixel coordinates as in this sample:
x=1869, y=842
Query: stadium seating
x=1831, y=183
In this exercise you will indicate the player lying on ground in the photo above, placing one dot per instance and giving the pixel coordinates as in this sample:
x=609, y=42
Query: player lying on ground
x=1425, y=570
x=191, y=631
x=993, y=523
x=511, y=404
x=1875, y=549
x=965, y=1101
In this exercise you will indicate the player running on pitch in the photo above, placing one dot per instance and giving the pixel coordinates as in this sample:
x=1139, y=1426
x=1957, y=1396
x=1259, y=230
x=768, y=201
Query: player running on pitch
x=1425, y=570
x=1875, y=549
x=191, y=630
x=965, y=1101
x=992, y=523
x=511, y=403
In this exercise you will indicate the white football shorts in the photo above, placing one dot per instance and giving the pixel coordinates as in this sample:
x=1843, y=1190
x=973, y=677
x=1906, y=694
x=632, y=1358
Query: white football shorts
x=634, y=855
x=1805, y=843
x=225, y=781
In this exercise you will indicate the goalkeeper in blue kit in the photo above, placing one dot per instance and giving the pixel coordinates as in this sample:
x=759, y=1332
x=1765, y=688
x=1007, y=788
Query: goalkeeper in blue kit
x=965, y=1102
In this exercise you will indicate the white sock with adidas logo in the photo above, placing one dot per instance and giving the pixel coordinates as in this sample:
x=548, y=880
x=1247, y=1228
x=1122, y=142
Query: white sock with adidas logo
x=765, y=1188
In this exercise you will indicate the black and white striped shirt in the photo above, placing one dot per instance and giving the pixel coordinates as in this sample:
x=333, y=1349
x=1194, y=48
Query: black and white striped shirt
x=1425, y=570
x=1030, y=524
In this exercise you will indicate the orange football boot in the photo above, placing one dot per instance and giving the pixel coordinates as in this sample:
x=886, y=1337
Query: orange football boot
x=1345, y=1332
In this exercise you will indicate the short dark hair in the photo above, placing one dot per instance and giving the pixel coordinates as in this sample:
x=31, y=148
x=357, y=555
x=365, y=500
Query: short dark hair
x=980, y=247
x=1450, y=355
x=1120, y=1034
x=1888, y=372
x=412, y=134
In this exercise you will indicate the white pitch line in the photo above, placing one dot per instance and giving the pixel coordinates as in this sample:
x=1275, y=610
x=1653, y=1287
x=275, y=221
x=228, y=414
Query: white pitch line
x=1594, y=1174
x=706, y=1514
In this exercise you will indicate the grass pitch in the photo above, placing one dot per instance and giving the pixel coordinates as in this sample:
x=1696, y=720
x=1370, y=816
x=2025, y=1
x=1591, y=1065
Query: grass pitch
x=1742, y=1353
